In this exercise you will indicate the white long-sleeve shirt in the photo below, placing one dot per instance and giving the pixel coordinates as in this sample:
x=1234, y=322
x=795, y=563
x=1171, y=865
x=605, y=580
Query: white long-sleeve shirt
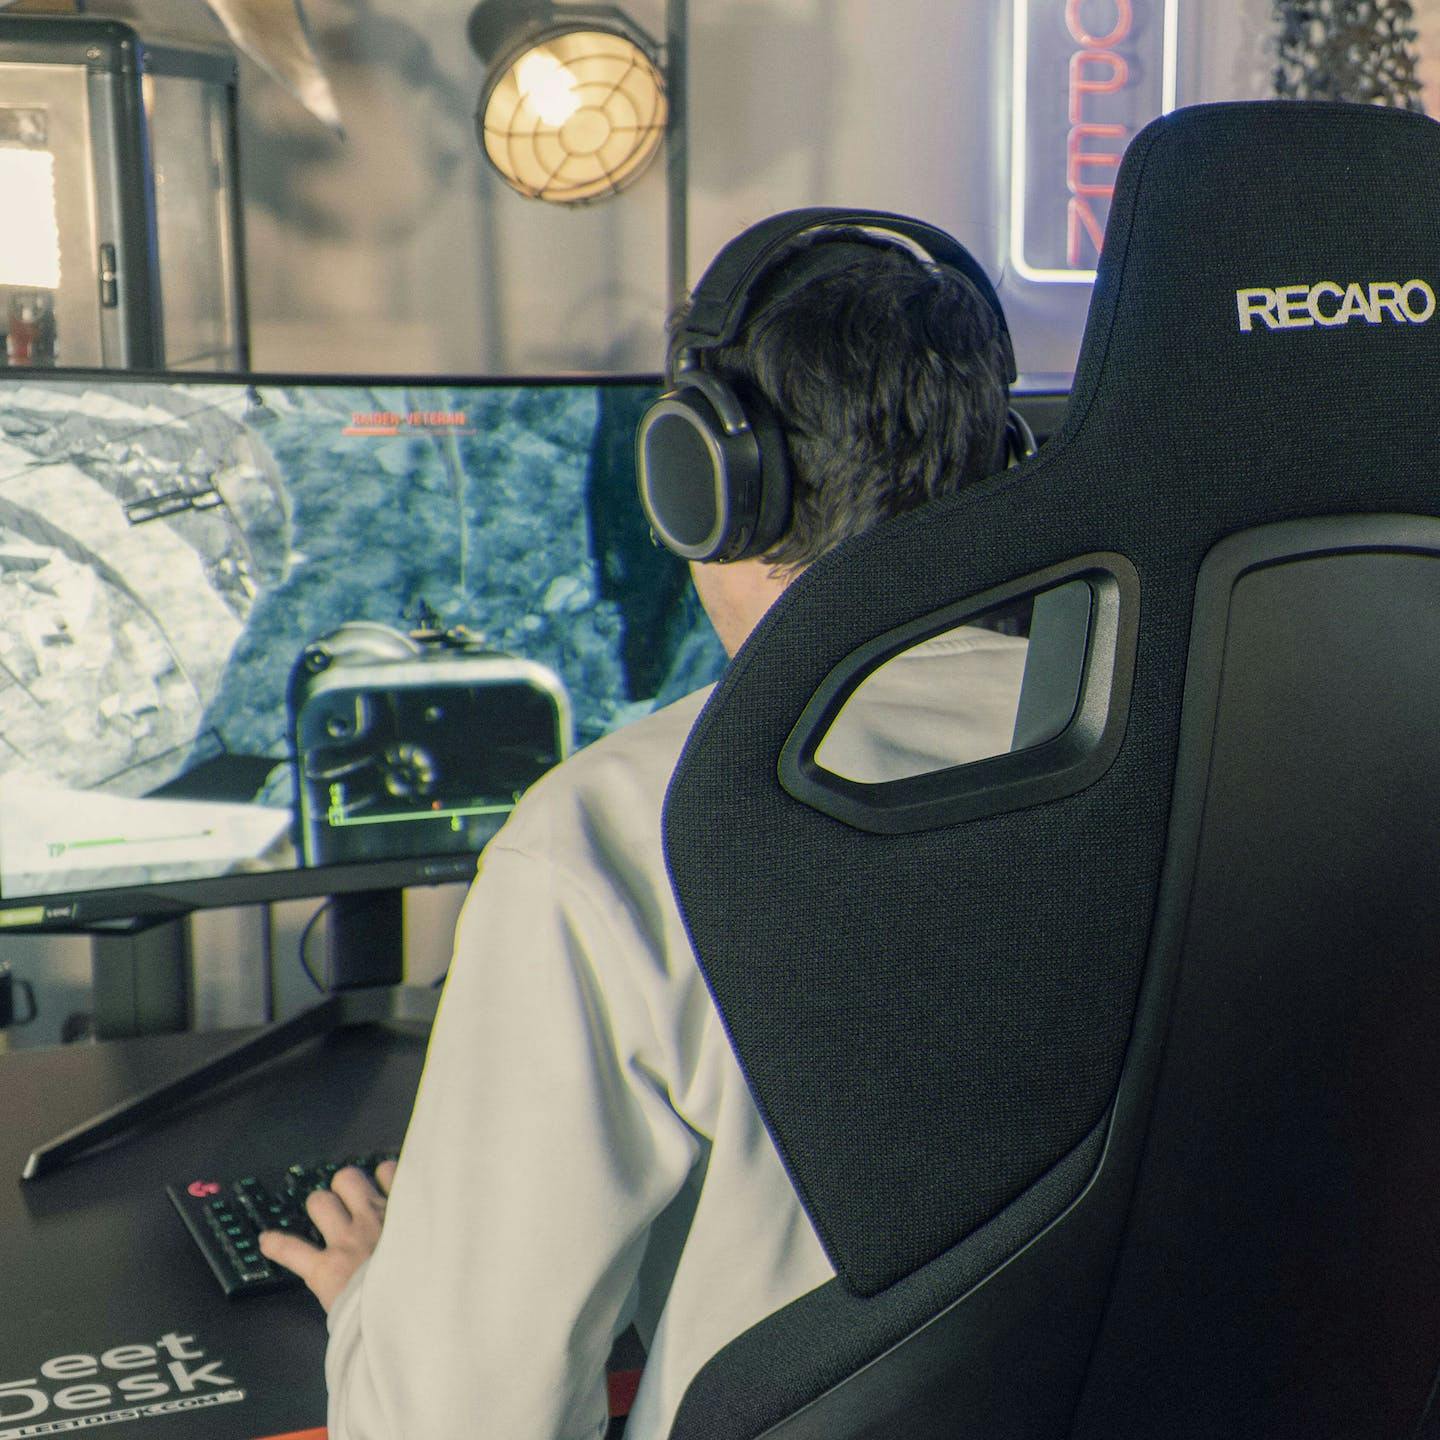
x=584, y=1151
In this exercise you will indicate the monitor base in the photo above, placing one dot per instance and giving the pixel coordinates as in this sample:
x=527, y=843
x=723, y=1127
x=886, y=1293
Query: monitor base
x=366, y=1006
x=365, y=966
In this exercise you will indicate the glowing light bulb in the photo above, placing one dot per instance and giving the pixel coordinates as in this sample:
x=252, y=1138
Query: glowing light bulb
x=548, y=86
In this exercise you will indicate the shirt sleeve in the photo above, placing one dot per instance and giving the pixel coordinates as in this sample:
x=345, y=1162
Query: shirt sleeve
x=541, y=1148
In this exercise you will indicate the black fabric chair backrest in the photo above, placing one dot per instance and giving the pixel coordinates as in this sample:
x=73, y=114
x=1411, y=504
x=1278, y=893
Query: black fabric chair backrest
x=1107, y=1071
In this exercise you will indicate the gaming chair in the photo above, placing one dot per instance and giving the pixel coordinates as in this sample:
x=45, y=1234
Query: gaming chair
x=1108, y=1070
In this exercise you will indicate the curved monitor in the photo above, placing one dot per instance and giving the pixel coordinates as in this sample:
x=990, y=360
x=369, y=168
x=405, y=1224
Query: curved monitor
x=264, y=637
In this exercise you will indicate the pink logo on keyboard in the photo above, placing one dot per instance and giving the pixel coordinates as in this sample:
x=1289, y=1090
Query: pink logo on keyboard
x=201, y=1188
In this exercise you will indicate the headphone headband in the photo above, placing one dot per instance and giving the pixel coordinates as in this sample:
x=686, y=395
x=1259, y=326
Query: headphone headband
x=722, y=295
x=712, y=461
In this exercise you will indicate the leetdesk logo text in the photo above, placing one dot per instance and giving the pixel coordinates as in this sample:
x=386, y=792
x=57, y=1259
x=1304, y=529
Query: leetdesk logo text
x=126, y=1382
x=1329, y=303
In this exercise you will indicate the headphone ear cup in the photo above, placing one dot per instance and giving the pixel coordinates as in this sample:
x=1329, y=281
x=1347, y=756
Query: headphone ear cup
x=775, y=491
x=698, y=467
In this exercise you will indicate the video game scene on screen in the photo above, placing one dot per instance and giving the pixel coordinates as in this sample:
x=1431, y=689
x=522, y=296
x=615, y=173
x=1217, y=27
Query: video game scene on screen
x=257, y=627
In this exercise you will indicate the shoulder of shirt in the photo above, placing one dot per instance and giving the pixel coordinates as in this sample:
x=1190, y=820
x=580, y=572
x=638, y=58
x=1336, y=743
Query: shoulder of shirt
x=966, y=639
x=617, y=783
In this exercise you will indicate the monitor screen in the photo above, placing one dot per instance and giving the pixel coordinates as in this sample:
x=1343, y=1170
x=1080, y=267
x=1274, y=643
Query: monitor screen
x=268, y=637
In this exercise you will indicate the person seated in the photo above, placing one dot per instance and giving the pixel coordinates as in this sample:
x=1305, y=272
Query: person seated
x=584, y=1153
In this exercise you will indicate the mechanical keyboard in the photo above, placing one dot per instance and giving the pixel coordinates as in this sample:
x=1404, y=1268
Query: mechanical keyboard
x=225, y=1218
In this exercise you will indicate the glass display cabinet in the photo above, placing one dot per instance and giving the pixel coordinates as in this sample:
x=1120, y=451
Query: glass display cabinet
x=120, y=230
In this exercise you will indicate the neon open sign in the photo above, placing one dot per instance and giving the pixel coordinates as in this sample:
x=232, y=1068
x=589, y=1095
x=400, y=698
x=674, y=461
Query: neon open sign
x=1087, y=75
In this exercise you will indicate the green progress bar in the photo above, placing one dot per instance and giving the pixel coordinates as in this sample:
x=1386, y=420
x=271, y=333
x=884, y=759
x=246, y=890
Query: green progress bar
x=337, y=820
x=59, y=847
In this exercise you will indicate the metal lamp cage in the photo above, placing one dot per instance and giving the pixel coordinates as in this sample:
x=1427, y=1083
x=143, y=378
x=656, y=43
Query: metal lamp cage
x=574, y=106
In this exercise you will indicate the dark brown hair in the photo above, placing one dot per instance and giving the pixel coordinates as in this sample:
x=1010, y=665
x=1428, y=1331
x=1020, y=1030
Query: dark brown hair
x=887, y=378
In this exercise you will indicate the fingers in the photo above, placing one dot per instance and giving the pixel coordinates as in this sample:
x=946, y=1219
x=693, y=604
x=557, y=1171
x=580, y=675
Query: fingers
x=290, y=1251
x=348, y=1216
x=352, y=1208
x=328, y=1213
x=355, y=1188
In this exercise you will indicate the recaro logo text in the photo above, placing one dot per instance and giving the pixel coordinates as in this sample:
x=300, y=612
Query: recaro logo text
x=1290, y=307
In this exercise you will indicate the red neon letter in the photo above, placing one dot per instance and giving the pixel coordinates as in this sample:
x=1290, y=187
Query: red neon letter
x=1076, y=157
x=1080, y=86
x=1079, y=213
x=1123, y=22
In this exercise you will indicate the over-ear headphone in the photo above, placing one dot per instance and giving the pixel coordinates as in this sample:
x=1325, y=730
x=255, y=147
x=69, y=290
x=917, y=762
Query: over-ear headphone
x=712, y=463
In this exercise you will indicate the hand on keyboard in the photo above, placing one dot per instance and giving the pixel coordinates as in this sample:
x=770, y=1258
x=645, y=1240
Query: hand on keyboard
x=348, y=1216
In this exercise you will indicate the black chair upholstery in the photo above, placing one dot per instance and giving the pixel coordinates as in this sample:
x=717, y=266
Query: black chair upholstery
x=1109, y=1071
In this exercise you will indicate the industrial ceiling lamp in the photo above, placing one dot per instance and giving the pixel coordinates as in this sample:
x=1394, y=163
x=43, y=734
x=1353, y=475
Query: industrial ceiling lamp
x=573, y=107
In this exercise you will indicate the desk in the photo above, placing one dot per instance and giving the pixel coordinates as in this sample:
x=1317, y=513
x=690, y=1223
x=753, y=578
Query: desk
x=94, y=1258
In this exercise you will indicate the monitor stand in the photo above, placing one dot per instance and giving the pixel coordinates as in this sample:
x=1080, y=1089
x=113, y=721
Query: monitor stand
x=365, y=962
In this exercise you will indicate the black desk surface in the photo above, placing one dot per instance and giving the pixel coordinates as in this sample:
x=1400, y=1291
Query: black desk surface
x=94, y=1259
